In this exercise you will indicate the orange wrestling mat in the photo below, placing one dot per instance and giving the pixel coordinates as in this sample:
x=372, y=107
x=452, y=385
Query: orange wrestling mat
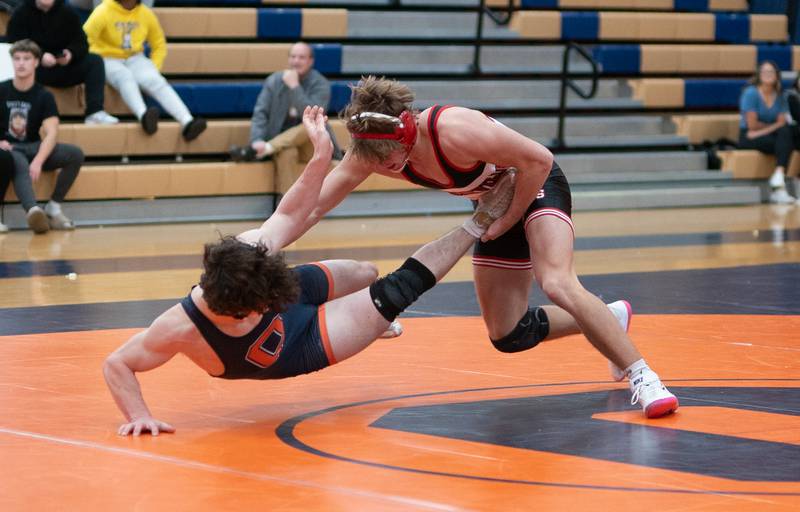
x=433, y=420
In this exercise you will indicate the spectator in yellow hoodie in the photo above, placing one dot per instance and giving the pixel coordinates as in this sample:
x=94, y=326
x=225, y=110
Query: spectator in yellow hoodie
x=117, y=30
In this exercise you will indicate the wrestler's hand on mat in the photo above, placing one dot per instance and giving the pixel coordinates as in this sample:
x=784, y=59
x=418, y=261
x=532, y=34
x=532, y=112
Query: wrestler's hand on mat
x=147, y=424
x=314, y=120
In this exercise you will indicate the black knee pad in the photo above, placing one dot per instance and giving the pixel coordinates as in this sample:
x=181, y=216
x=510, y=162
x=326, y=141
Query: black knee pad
x=392, y=294
x=529, y=331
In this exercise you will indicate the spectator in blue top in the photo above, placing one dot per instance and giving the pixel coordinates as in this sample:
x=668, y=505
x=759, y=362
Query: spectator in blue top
x=763, y=125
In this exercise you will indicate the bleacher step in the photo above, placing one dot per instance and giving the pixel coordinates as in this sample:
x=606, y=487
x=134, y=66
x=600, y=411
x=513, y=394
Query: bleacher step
x=493, y=90
x=456, y=59
x=637, y=161
x=540, y=128
x=526, y=103
x=630, y=178
x=626, y=141
x=371, y=204
x=421, y=24
x=666, y=197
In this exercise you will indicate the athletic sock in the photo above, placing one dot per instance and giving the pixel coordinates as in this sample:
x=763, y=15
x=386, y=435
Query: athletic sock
x=52, y=208
x=636, y=367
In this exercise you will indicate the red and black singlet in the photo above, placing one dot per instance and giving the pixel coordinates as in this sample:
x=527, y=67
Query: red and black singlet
x=470, y=182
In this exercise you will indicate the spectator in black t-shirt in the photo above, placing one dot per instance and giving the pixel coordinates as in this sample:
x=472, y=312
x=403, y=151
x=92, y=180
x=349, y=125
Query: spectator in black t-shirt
x=26, y=108
x=65, y=60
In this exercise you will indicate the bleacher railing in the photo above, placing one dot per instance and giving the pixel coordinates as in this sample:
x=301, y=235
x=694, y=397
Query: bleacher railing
x=566, y=78
x=499, y=19
x=567, y=82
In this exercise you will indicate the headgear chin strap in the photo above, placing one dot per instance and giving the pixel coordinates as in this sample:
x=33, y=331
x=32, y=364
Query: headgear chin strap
x=405, y=127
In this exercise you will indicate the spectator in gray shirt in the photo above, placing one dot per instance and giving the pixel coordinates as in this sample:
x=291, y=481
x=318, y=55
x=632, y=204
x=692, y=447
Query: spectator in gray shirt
x=277, y=117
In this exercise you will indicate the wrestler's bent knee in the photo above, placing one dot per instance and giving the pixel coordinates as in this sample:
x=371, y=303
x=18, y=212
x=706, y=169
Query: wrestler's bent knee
x=529, y=331
x=368, y=270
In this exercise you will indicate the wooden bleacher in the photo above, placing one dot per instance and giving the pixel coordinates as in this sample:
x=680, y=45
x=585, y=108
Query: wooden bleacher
x=209, y=46
x=743, y=163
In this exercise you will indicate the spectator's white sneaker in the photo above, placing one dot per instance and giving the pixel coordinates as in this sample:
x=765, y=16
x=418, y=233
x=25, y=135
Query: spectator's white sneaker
x=59, y=221
x=394, y=330
x=780, y=196
x=777, y=180
x=101, y=117
x=623, y=312
x=3, y=228
x=655, y=398
x=37, y=220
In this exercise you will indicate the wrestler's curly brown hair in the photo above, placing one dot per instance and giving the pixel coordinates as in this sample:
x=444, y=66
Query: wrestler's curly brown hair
x=379, y=95
x=240, y=278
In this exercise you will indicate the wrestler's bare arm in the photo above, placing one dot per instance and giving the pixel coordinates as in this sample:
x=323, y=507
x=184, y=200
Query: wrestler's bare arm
x=287, y=223
x=145, y=351
x=473, y=136
x=337, y=184
x=342, y=180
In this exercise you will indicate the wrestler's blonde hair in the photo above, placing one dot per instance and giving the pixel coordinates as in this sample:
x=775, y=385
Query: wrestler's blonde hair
x=379, y=95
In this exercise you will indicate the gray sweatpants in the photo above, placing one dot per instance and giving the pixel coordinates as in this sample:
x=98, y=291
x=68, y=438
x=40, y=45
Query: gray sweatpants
x=66, y=157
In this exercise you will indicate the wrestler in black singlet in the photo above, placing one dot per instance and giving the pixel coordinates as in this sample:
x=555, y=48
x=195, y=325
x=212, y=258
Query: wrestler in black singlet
x=282, y=344
x=510, y=250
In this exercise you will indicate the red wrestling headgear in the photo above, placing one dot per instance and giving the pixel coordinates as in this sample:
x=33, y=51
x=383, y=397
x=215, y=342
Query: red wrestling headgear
x=405, y=128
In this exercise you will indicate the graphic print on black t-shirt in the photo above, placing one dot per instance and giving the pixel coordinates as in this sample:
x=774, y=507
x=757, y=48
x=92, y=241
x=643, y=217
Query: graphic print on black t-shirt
x=23, y=112
x=18, y=119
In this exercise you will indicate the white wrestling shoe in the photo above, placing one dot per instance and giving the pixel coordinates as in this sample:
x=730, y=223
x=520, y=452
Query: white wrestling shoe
x=655, y=398
x=394, y=330
x=623, y=311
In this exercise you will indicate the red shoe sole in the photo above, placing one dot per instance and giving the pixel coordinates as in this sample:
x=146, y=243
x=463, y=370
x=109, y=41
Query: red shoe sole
x=661, y=407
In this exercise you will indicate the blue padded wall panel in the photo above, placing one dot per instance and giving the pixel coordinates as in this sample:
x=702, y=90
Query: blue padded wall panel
x=712, y=93
x=248, y=94
x=732, y=28
x=706, y=93
x=794, y=30
x=580, y=26
x=280, y=24
x=215, y=98
x=539, y=4
x=340, y=96
x=780, y=54
x=239, y=98
x=691, y=5
x=328, y=58
x=768, y=6
x=184, y=91
x=618, y=58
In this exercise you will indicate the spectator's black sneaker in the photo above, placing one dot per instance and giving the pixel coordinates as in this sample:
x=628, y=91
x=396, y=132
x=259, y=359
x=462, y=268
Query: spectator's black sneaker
x=150, y=120
x=37, y=220
x=242, y=154
x=194, y=128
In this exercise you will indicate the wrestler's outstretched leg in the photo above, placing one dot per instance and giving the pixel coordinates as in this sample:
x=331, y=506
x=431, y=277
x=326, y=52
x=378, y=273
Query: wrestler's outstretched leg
x=552, y=257
x=356, y=320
